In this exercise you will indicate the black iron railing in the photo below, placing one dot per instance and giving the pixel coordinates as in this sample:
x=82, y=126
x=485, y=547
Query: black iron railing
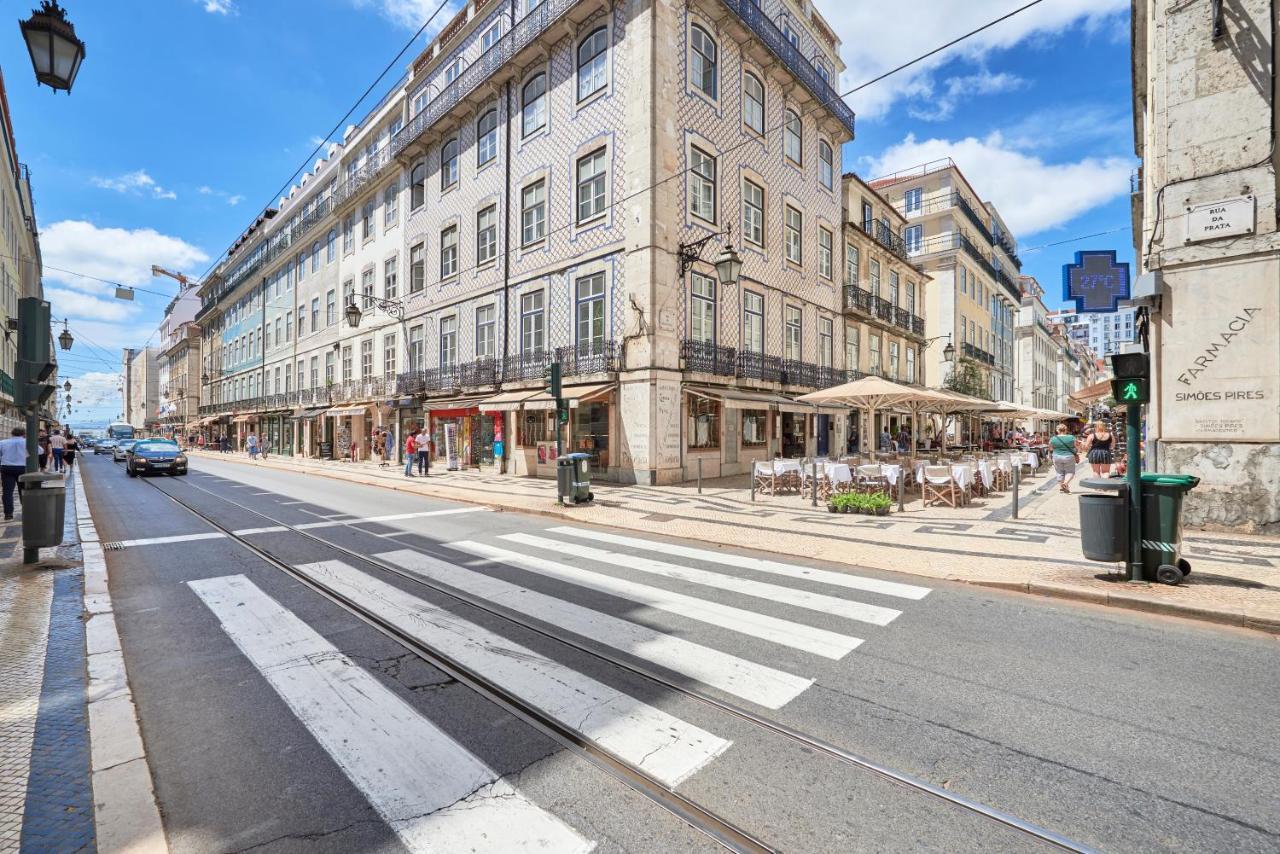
x=886, y=237
x=588, y=357
x=758, y=366
x=977, y=221
x=856, y=299
x=411, y=382
x=917, y=325
x=525, y=366
x=481, y=372
x=796, y=372
x=882, y=308
x=976, y=254
x=1003, y=242
x=975, y=352
x=708, y=358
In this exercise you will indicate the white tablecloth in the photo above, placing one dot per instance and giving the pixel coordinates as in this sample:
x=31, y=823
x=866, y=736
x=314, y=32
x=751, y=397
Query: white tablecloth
x=784, y=466
x=838, y=473
x=962, y=472
x=892, y=472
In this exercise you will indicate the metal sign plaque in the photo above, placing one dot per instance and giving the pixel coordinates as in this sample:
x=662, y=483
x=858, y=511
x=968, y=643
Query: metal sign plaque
x=1224, y=218
x=1096, y=283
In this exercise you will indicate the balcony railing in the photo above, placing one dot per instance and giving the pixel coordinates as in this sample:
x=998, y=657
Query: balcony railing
x=525, y=366
x=882, y=308
x=958, y=200
x=917, y=325
x=588, y=357
x=481, y=372
x=707, y=358
x=758, y=366
x=1008, y=284
x=885, y=236
x=362, y=178
x=828, y=376
x=976, y=254
x=856, y=299
x=796, y=372
x=1003, y=242
x=974, y=352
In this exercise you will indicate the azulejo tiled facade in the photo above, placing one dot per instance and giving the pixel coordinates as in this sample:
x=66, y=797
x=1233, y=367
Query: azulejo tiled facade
x=521, y=198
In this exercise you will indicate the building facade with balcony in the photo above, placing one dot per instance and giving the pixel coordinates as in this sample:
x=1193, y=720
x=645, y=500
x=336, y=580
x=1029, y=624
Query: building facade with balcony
x=972, y=262
x=522, y=197
x=884, y=296
x=1039, y=355
x=1105, y=332
x=141, y=387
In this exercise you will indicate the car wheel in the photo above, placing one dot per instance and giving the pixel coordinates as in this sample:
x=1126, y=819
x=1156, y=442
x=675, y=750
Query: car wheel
x=129, y=471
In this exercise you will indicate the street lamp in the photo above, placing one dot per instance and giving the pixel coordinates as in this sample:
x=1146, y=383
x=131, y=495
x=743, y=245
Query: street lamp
x=66, y=386
x=728, y=263
x=65, y=339
x=948, y=352
x=55, y=51
x=392, y=307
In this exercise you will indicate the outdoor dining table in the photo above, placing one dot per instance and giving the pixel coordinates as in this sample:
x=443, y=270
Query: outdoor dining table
x=962, y=472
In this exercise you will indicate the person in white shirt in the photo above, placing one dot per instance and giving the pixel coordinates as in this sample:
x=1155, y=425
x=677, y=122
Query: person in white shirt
x=13, y=463
x=58, y=444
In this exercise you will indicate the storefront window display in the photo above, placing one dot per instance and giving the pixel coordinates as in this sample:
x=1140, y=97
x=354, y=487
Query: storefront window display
x=755, y=428
x=704, y=423
x=591, y=433
x=793, y=434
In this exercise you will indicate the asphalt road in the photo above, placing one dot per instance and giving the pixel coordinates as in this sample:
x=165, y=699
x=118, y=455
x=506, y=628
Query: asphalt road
x=275, y=720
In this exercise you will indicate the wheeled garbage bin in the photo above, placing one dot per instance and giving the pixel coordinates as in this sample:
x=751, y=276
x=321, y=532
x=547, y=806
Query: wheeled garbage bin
x=1104, y=520
x=1162, y=526
x=573, y=478
x=44, y=503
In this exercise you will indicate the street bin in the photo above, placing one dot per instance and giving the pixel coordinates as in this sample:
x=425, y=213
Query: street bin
x=44, y=503
x=1104, y=520
x=573, y=478
x=1162, y=526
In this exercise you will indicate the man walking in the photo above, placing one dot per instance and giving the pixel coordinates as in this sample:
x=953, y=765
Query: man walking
x=58, y=446
x=389, y=443
x=251, y=444
x=13, y=463
x=409, y=453
x=423, y=445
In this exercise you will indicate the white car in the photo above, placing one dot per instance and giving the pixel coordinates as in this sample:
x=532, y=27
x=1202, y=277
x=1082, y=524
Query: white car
x=119, y=453
x=104, y=447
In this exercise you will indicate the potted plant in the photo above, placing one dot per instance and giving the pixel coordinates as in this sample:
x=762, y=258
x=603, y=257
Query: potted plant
x=879, y=504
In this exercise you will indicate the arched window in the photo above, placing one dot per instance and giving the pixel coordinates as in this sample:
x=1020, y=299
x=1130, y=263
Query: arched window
x=487, y=137
x=301, y=265
x=702, y=61
x=533, y=100
x=792, y=138
x=449, y=164
x=753, y=102
x=592, y=62
x=826, y=165
x=315, y=257
x=331, y=246
x=418, y=186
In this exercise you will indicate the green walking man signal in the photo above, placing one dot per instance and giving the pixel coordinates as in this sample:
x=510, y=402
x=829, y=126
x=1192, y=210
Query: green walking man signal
x=1132, y=390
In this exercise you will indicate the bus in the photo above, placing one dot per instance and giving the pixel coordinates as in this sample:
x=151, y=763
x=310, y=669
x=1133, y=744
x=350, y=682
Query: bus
x=119, y=431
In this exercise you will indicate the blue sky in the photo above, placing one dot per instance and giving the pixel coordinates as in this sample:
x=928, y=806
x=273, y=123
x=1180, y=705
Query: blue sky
x=189, y=115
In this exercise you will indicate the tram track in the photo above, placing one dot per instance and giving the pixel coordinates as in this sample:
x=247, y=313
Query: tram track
x=721, y=830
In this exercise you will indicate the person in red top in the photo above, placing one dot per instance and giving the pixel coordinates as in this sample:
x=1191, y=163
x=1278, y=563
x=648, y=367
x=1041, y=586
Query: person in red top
x=409, y=453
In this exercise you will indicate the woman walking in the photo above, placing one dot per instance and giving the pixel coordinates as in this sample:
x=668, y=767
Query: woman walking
x=69, y=451
x=1065, y=457
x=1099, y=448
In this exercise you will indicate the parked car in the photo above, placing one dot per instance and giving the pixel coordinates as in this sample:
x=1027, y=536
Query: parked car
x=105, y=446
x=154, y=456
x=121, y=449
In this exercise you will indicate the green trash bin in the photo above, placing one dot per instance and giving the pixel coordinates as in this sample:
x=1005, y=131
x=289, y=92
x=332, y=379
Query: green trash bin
x=1162, y=526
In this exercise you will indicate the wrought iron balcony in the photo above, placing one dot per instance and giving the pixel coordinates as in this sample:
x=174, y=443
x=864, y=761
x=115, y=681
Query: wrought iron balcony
x=1004, y=243
x=856, y=299
x=481, y=372
x=886, y=238
x=525, y=366
x=1008, y=284
x=588, y=357
x=362, y=178
x=917, y=325
x=796, y=372
x=829, y=376
x=706, y=357
x=882, y=308
x=977, y=353
x=958, y=200
x=758, y=366
x=976, y=254
x=411, y=382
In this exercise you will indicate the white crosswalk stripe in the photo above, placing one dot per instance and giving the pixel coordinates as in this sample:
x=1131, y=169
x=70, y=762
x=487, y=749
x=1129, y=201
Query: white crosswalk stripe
x=846, y=608
x=436, y=795
x=788, y=633
x=757, y=683
x=836, y=579
x=661, y=744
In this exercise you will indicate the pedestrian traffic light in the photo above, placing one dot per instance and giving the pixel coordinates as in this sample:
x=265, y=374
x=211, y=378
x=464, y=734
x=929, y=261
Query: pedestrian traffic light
x=1129, y=390
x=551, y=380
x=562, y=412
x=1127, y=365
x=35, y=362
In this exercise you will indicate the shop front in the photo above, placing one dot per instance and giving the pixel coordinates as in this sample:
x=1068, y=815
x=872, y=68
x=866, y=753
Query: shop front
x=532, y=414
x=463, y=436
x=347, y=433
x=277, y=429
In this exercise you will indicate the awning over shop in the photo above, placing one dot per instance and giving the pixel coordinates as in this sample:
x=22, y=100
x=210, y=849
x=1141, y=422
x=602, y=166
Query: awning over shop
x=454, y=403
x=573, y=394
x=312, y=412
x=1090, y=393
x=242, y=419
x=733, y=398
x=507, y=401
x=343, y=411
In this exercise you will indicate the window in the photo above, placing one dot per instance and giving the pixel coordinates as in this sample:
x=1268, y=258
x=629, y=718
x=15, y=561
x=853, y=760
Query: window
x=301, y=265
x=533, y=100
x=851, y=358
x=330, y=308
x=793, y=138
x=533, y=213
x=913, y=236
x=702, y=61
x=752, y=213
x=390, y=197
x=868, y=216
x=366, y=286
x=348, y=234
x=302, y=320
x=590, y=314
x=875, y=354
x=874, y=267
x=315, y=371
x=702, y=184
x=826, y=165
x=328, y=368
x=893, y=288
x=417, y=268
x=911, y=364
x=790, y=35
x=417, y=186
x=591, y=185
x=302, y=375
x=366, y=220
x=824, y=253
x=449, y=252
x=346, y=364
x=893, y=360
x=850, y=264
x=704, y=423
x=389, y=356
x=964, y=281
x=791, y=334
x=795, y=229
x=485, y=328
x=486, y=235
x=752, y=322
x=592, y=63
x=366, y=358
x=753, y=102
x=911, y=297
x=449, y=164
x=288, y=326
x=280, y=330
x=702, y=315
x=315, y=254
x=448, y=342
x=487, y=137
x=532, y=330
x=911, y=200
x=490, y=37
x=389, y=275
x=315, y=313
x=417, y=354
x=278, y=388
x=755, y=428
x=451, y=73
x=824, y=342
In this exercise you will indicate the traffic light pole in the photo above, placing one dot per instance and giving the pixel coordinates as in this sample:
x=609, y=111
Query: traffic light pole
x=1133, y=475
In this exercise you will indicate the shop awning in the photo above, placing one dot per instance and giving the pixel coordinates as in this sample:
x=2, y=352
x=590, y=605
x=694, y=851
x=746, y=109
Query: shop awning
x=573, y=394
x=242, y=419
x=359, y=409
x=312, y=412
x=733, y=398
x=453, y=403
x=507, y=401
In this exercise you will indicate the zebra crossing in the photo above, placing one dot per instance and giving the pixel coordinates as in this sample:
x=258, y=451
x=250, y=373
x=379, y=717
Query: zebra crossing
x=438, y=796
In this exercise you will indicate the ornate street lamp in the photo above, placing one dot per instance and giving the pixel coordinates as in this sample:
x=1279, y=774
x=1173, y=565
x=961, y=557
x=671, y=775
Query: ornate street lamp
x=65, y=339
x=353, y=313
x=55, y=51
x=949, y=352
x=204, y=378
x=728, y=263
x=66, y=386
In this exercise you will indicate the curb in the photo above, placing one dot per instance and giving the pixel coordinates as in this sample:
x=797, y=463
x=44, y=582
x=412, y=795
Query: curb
x=1052, y=590
x=126, y=816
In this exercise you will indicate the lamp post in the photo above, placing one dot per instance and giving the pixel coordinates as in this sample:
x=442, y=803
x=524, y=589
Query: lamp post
x=394, y=308
x=55, y=51
x=65, y=338
x=728, y=263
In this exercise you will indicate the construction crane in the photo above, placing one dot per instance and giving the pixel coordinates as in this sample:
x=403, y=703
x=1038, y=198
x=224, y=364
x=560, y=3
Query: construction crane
x=157, y=270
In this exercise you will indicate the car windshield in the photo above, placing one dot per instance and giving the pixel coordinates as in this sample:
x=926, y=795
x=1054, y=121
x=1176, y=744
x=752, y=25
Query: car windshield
x=154, y=445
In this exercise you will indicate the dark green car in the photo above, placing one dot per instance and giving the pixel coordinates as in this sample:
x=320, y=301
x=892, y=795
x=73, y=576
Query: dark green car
x=155, y=456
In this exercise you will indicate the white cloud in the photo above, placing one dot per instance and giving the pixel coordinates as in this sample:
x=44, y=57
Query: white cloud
x=65, y=302
x=118, y=254
x=412, y=14
x=205, y=190
x=876, y=40
x=235, y=200
x=137, y=183
x=219, y=7
x=942, y=105
x=1003, y=174
x=316, y=141
x=95, y=394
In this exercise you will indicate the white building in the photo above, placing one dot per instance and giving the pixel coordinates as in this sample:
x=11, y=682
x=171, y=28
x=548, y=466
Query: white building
x=1104, y=333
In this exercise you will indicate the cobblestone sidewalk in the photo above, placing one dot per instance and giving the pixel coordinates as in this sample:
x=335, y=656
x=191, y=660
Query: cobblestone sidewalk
x=1235, y=580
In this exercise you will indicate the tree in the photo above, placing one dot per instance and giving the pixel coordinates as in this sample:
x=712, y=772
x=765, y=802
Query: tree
x=966, y=378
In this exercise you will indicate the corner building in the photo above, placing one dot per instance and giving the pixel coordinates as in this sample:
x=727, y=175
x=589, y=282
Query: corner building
x=523, y=197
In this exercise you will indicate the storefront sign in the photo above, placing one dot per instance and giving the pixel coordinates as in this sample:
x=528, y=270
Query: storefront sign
x=326, y=450
x=1224, y=218
x=451, y=446
x=1096, y=282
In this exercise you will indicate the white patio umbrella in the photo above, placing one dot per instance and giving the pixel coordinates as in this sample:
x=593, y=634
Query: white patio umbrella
x=956, y=403
x=876, y=393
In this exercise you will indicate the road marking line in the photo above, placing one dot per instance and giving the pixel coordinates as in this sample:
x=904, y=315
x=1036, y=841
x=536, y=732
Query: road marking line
x=292, y=502
x=662, y=744
x=436, y=795
x=329, y=523
x=261, y=493
x=799, y=636
x=837, y=579
x=758, y=683
x=178, y=538
x=271, y=529
x=834, y=605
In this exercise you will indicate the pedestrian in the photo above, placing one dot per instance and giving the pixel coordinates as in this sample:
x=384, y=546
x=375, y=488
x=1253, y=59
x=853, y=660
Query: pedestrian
x=42, y=442
x=409, y=453
x=423, y=445
x=58, y=445
x=13, y=462
x=886, y=440
x=200, y=441
x=69, y=451
x=904, y=440
x=1099, y=449
x=389, y=447
x=251, y=444
x=1065, y=457
x=264, y=446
